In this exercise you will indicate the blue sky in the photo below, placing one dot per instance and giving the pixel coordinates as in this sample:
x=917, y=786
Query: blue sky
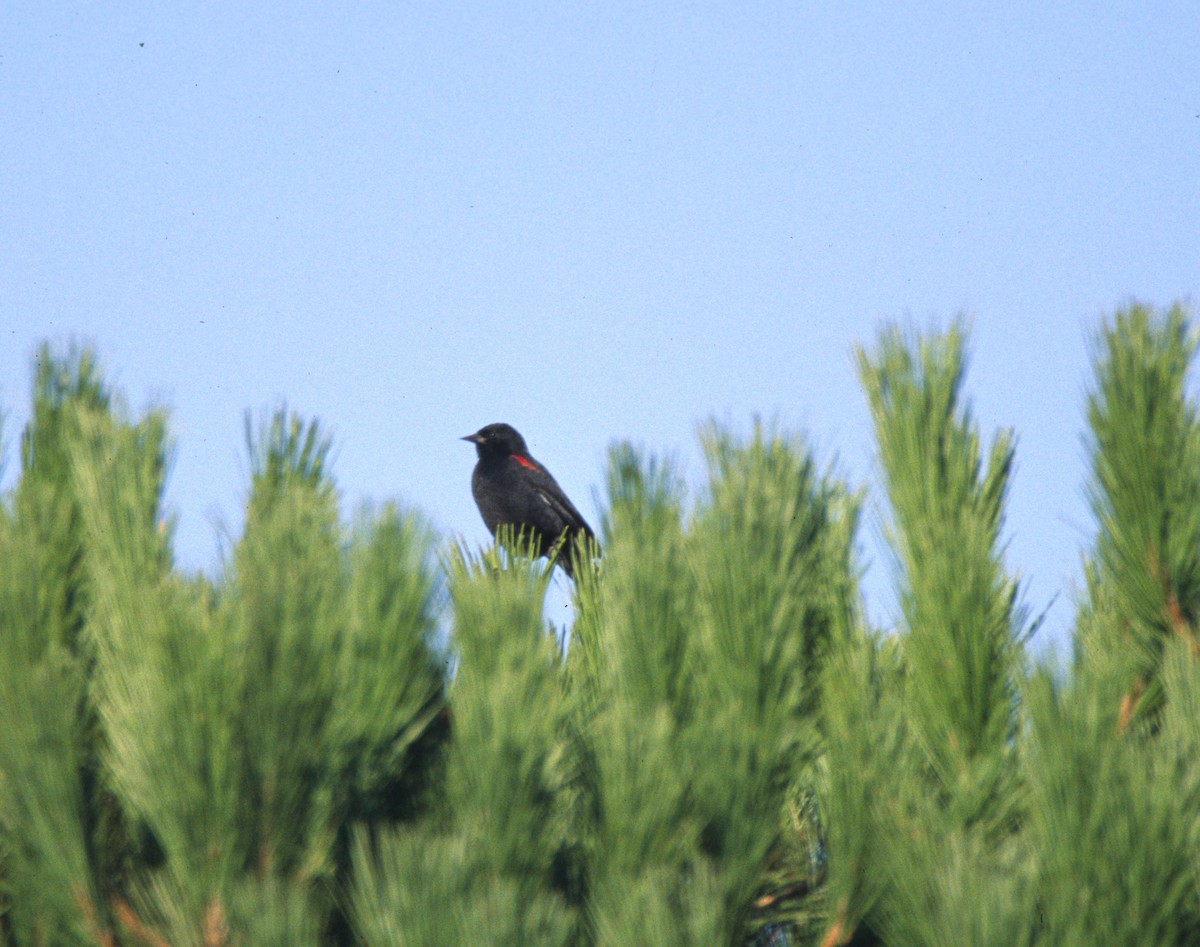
x=595, y=222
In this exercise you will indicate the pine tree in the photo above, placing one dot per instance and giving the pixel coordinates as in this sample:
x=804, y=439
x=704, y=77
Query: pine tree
x=352, y=734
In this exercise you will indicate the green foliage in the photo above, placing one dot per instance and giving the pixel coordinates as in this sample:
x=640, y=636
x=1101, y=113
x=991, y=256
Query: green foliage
x=190, y=754
x=52, y=814
x=915, y=782
x=282, y=754
x=962, y=626
x=1144, y=577
x=422, y=889
x=701, y=645
x=1017, y=807
x=863, y=728
x=486, y=863
x=1114, y=854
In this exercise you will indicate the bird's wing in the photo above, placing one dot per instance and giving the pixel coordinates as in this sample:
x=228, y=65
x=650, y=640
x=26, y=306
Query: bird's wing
x=554, y=497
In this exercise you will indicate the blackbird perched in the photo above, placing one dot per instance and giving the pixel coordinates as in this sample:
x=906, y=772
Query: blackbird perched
x=512, y=489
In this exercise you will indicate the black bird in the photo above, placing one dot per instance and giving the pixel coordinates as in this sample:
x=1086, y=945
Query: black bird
x=513, y=489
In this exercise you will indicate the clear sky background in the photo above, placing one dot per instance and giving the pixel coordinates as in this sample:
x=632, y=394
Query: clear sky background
x=593, y=221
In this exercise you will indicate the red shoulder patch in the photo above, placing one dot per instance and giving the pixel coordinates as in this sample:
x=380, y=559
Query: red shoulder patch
x=525, y=462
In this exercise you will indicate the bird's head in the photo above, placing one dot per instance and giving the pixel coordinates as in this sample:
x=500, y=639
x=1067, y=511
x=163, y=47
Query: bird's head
x=498, y=440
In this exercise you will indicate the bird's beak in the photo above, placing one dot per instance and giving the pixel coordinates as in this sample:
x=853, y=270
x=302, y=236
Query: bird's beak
x=473, y=438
